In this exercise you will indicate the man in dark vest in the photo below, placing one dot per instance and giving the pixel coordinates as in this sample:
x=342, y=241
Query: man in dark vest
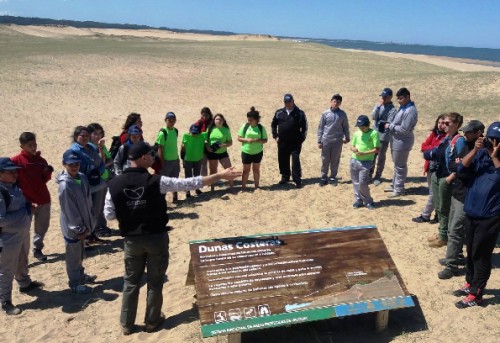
x=289, y=127
x=137, y=200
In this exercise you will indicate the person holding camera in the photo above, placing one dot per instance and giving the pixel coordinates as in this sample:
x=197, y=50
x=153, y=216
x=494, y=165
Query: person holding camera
x=433, y=140
x=218, y=140
x=482, y=213
x=442, y=178
x=383, y=113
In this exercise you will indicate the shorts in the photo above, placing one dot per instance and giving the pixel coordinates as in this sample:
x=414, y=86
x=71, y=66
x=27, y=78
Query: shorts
x=249, y=159
x=213, y=156
x=171, y=168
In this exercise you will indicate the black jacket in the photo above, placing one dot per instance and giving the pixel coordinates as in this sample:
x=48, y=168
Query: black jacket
x=289, y=128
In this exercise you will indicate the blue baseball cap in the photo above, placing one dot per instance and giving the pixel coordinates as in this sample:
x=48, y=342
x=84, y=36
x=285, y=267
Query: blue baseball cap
x=494, y=131
x=288, y=97
x=170, y=115
x=386, y=92
x=7, y=164
x=71, y=157
x=194, y=129
x=134, y=130
x=362, y=121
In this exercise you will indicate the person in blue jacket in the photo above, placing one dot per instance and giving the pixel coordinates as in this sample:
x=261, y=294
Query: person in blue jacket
x=482, y=214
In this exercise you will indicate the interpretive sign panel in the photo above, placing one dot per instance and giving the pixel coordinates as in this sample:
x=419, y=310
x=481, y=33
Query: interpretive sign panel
x=256, y=282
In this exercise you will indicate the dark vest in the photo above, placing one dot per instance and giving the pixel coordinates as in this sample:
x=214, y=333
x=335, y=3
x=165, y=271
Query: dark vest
x=140, y=207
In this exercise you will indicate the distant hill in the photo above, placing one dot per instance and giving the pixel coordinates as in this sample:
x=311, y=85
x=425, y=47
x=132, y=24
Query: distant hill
x=6, y=19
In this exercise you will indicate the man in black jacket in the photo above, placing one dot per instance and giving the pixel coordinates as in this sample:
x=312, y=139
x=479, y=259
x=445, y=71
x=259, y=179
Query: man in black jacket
x=137, y=199
x=289, y=127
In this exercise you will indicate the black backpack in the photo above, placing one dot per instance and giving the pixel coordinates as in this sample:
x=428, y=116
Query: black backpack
x=248, y=125
x=115, y=146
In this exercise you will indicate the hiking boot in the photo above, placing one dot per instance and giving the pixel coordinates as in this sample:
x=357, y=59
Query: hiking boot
x=89, y=279
x=420, y=219
x=438, y=243
x=81, y=289
x=33, y=285
x=447, y=273
x=358, y=204
x=128, y=330
x=323, y=182
x=462, y=292
x=433, y=238
x=461, y=261
x=469, y=301
x=153, y=327
x=10, y=309
x=38, y=254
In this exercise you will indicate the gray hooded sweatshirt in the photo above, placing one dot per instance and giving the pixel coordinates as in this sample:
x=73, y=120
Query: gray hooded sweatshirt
x=76, y=205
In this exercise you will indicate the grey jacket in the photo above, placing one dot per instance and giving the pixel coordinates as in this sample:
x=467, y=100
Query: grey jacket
x=18, y=216
x=333, y=127
x=402, y=126
x=76, y=205
x=383, y=113
x=121, y=161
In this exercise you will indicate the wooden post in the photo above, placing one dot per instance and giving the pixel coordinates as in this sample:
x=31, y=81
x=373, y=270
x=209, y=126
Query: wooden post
x=382, y=320
x=234, y=337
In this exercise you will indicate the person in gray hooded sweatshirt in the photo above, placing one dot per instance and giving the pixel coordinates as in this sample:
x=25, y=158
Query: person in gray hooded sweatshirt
x=76, y=220
x=402, y=139
x=15, y=222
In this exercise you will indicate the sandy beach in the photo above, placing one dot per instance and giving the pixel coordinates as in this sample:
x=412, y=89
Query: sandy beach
x=55, y=78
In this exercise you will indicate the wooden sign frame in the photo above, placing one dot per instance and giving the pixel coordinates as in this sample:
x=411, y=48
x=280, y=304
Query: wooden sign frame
x=263, y=281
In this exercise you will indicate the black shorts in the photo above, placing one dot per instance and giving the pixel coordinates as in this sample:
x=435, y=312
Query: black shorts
x=213, y=156
x=249, y=159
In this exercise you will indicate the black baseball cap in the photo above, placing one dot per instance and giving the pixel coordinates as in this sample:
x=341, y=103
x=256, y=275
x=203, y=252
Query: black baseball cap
x=138, y=150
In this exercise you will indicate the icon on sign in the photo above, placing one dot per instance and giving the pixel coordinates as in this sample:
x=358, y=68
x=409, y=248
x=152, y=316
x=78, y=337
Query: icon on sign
x=250, y=312
x=264, y=310
x=220, y=316
x=234, y=314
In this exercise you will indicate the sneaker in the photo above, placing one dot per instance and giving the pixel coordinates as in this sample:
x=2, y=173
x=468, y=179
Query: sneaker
x=462, y=292
x=323, y=182
x=447, y=273
x=198, y=192
x=81, y=289
x=283, y=181
x=298, y=184
x=420, y=219
x=376, y=182
x=358, y=204
x=389, y=189
x=371, y=206
x=438, y=243
x=334, y=182
x=10, y=309
x=33, y=285
x=89, y=279
x=38, y=254
x=153, y=327
x=394, y=195
x=434, y=220
x=469, y=301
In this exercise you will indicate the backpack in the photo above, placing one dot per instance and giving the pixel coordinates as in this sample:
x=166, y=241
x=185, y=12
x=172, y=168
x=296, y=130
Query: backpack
x=245, y=128
x=6, y=197
x=115, y=146
x=156, y=164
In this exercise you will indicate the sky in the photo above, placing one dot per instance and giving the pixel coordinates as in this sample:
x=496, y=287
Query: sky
x=450, y=23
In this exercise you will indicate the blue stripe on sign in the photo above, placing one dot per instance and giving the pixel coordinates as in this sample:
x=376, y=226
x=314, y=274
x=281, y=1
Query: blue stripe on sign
x=373, y=306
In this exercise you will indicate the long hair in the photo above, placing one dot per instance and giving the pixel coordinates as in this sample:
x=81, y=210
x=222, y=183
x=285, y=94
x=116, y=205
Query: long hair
x=224, y=122
x=132, y=118
x=440, y=117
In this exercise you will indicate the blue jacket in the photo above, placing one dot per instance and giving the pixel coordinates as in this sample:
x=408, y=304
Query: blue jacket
x=483, y=198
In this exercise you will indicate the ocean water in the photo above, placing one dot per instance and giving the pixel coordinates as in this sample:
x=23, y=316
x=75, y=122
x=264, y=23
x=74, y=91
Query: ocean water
x=483, y=54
